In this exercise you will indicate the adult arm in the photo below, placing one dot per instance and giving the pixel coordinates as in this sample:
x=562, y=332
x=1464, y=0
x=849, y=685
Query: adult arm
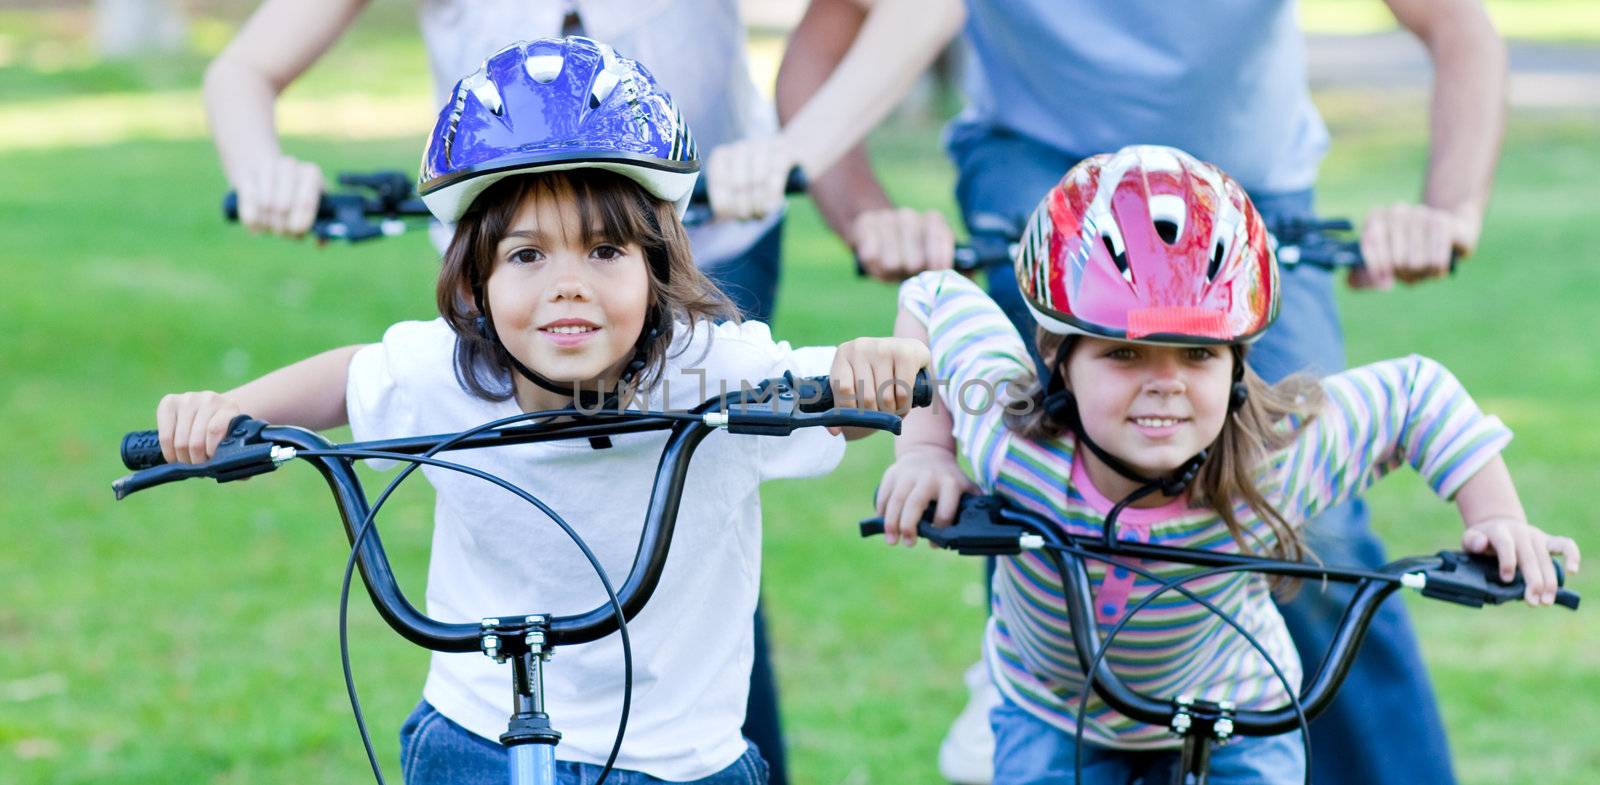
x=277, y=193
x=1413, y=242
x=848, y=63
x=890, y=242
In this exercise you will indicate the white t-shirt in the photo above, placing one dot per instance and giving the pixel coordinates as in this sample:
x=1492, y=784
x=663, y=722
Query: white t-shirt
x=494, y=555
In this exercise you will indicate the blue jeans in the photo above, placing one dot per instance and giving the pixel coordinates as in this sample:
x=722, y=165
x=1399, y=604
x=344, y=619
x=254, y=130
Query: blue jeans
x=751, y=279
x=436, y=751
x=1028, y=750
x=1384, y=726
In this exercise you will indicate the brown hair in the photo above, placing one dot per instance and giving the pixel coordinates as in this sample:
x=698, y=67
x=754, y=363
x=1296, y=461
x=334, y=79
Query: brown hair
x=1270, y=419
x=610, y=206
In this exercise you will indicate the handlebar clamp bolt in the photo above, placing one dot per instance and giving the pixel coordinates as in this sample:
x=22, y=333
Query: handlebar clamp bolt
x=1181, y=722
x=491, y=647
x=1223, y=727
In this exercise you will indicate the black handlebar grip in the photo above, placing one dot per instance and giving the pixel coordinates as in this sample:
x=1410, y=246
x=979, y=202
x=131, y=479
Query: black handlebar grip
x=921, y=391
x=141, y=450
x=230, y=207
x=794, y=184
x=814, y=400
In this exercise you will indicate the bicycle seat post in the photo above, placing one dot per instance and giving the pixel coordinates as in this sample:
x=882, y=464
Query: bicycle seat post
x=1202, y=724
x=529, y=739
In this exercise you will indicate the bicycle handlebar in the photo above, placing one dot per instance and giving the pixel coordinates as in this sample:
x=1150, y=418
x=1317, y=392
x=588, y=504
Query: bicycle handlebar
x=253, y=447
x=810, y=395
x=993, y=241
x=988, y=525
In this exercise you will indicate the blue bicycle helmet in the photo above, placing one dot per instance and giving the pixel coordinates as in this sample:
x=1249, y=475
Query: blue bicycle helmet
x=553, y=104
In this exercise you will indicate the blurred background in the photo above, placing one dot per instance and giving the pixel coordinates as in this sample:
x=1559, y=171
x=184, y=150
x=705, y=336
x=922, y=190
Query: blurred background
x=189, y=634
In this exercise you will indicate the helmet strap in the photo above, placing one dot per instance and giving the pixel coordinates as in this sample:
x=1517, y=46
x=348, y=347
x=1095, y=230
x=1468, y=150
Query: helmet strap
x=1239, y=393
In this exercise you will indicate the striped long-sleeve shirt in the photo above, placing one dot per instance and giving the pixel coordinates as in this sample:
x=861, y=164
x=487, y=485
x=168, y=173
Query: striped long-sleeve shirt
x=1410, y=411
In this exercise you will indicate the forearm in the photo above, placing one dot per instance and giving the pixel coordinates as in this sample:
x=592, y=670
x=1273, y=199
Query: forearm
x=858, y=78
x=1489, y=494
x=848, y=187
x=277, y=44
x=1468, y=105
x=239, y=109
x=309, y=393
x=931, y=426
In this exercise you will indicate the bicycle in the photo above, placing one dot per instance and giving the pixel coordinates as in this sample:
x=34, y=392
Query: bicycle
x=991, y=526
x=775, y=407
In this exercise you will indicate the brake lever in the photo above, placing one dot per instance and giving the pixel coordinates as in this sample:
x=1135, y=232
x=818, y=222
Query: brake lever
x=1474, y=579
x=976, y=531
x=240, y=455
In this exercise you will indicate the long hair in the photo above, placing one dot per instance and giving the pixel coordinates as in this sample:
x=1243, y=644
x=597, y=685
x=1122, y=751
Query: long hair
x=609, y=206
x=1270, y=419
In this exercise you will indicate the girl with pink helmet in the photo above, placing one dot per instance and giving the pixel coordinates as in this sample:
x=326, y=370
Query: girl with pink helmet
x=1149, y=273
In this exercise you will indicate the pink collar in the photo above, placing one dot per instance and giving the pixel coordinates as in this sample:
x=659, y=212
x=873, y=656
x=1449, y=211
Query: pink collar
x=1141, y=517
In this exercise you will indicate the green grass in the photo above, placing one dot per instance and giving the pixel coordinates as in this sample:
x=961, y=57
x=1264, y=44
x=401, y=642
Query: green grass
x=188, y=634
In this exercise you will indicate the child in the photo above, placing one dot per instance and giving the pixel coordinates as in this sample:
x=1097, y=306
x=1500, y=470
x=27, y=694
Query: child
x=1149, y=273
x=563, y=167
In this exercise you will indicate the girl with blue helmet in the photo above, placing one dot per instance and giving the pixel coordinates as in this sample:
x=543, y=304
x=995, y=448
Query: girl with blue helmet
x=569, y=280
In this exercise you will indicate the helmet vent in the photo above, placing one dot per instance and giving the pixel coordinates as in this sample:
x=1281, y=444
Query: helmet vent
x=485, y=90
x=1216, y=262
x=544, y=68
x=604, y=83
x=1168, y=230
x=1119, y=257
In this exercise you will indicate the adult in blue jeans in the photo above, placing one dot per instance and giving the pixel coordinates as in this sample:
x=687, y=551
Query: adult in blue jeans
x=1052, y=81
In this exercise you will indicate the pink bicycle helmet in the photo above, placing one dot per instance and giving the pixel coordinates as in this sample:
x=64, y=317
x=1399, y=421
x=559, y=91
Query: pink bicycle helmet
x=1149, y=244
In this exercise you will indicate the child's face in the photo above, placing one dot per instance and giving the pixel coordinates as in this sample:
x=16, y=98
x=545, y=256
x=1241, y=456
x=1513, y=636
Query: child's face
x=1154, y=407
x=567, y=307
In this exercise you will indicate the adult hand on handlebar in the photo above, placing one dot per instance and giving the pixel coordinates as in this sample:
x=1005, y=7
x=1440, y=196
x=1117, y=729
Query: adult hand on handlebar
x=1412, y=243
x=893, y=244
x=745, y=179
x=190, y=425
x=1519, y=544
x=920, y=475
x=280, y=195
x=877, y=374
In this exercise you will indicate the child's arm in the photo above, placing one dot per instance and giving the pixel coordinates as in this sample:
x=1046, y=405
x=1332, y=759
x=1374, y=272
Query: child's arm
x=309, y=393
x=1413, y=411
x=1497, y=524
x=925, y=468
